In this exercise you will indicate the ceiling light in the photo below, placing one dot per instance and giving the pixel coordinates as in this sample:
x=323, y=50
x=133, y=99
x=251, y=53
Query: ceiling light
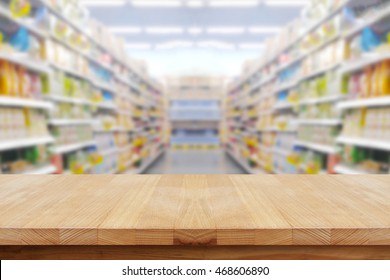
x=287, y=3
x=138, y=46
x=216, y=44
x=164, y=30
x=157, y=3
x=194, y=3
x=174, y=44
x=126, y=29
x=234, y=3
x=195, y=30
x=251, y=46
x=264, y=29
x=226, y=30
x=103, y=3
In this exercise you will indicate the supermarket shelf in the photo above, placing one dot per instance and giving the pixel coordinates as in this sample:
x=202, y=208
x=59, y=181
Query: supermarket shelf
x=81, y=29
x=324, y=122
x=327, y=99
x=44, y=170
x=22, y=60
x=366, y=143
x=366, y=60
x=284, y=106
x=286, y=86
x=69, y=122
x=149, y=162
x=104, y=86
x=34, y=30
x=281, y=152
x=364, y=103
x=263, y=82
x=127, y=82
x=320, y=72
x=380, y=15
x=317, y=147
x=243, y=165
x=310, y=52
x=125, y=149
x=78, y=51
x=72, y=100
x=292, y=44
x=25, y=103
x=71, y=72
x=344, y=169
x=72, y=147
x=25, y=143
x=106, y=106
x=266, y=149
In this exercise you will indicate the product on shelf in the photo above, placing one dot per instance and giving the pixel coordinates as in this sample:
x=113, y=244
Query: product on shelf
x=24, y=160
x=321, y=135
x=319, y=111
x=18, y=124
x=371, y=123
x=371, y=82
x=16, y=81
x=312, y=162
x=366, y=160
x=66, y=135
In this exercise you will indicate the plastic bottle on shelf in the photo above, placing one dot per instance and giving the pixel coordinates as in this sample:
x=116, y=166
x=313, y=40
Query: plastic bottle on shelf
x=375, y=81
x=14, y=80
x=366, y=82
x=5, y=80
x=384, y=83
x=21, y=92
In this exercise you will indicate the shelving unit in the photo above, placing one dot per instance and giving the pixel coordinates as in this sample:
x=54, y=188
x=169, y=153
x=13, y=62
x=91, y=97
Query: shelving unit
x=107, y=89
x=299, y=97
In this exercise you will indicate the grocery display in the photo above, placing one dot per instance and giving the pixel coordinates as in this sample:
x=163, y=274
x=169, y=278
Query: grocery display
x=71, y=101
x=318, y=97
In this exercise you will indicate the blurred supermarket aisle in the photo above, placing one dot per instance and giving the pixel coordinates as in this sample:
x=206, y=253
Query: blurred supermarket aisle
x=195, y=162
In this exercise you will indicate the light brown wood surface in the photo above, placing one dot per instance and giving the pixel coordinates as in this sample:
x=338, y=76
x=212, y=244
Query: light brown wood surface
x=195, y=210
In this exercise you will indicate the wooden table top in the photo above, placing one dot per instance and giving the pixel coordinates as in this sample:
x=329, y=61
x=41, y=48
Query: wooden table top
x=194, y=210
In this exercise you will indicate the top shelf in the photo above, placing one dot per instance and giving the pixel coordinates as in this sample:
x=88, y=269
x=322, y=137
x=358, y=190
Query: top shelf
x=274, y=57
x=117, y=59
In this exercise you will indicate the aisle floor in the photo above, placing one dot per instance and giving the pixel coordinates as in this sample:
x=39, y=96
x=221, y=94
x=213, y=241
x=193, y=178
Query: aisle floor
x=195, y=162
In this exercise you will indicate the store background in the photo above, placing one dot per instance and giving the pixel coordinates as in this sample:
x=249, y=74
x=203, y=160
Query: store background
x=194, y=86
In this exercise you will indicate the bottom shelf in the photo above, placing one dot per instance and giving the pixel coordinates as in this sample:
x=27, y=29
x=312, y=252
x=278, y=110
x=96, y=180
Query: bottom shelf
x=44, y=170
x=148, y=163
x=346, y=170
x=244, y=166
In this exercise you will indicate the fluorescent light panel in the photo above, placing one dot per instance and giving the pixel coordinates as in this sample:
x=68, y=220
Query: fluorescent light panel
x=233, y=3
x=194, y=3
x=103, y=3
x=251, y=46
x=216, y=45
x=226, y=30
x=126, y=29
x=157, y=3
x=286, y=3
x=164, y=30
x=264, y=29
x=139, y=46
x=195, y=30
x=174, y=44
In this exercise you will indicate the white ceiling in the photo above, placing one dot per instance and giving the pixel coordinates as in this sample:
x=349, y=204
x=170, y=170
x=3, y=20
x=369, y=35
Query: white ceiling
x=179, y=31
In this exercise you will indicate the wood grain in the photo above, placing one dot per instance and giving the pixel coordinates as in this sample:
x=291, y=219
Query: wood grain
x=195, y=210
x=195, y=252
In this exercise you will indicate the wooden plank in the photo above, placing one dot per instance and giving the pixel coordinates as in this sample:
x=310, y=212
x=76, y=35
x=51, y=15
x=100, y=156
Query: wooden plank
x=195, y=210
x=195, y=252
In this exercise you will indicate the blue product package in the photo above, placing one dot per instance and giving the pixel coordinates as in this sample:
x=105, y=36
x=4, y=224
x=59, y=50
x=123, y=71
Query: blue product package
x=20, y=40
x=369, y=40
